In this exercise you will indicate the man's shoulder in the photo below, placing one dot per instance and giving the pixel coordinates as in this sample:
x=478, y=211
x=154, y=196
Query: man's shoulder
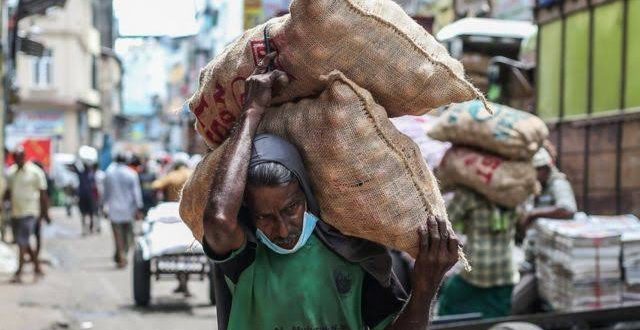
x=33, y=168
x=29, y=168
x=557, y=176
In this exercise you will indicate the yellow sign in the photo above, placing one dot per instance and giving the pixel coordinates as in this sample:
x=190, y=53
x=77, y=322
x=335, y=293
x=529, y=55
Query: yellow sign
x=253, y=13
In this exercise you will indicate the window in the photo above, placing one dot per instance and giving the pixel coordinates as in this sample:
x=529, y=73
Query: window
x=42, y=69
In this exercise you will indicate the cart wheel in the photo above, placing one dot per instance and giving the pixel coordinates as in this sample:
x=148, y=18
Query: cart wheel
x=141, y=278
x=212, y=286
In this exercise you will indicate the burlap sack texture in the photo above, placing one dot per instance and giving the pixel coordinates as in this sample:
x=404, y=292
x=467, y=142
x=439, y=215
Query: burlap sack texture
x=369, y=178
x=504, y=182
x=374, y=42
x=511, y=133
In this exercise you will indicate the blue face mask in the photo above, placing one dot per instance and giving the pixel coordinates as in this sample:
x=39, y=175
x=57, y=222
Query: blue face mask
x=308, y=224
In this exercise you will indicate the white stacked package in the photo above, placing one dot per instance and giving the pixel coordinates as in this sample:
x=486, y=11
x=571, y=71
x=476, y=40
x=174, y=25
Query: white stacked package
x=629, y=227
x=631, y=266
x=581, y=262
x=578, y=265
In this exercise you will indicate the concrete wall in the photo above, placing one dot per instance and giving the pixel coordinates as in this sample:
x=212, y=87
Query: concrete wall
x=69, y=33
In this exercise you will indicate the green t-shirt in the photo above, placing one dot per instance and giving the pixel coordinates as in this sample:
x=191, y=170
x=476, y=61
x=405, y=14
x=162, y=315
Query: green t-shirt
x=313, y=288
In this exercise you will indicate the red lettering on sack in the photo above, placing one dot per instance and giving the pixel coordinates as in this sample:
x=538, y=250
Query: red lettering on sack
x=210, y=136
x=224, y=118
x=201, y=107
x=227, y=117
x=237, y=88
x=483, y=166
x=487, y=176
x=489, y=164
x=470, y=160
x=219, y=129
x=218, y=94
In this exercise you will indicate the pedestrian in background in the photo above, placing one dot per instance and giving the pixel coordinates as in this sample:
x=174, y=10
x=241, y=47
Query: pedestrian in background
x=123, y=200
x=171, y=184
x=147, y=177
x=87, y=196
x=27, y=192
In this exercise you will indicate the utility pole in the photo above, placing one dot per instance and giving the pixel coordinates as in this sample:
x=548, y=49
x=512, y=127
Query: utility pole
x=4, y=79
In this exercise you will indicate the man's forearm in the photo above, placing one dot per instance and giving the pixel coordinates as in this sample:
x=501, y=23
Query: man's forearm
x=552, y=212
x=416, y=313
x=228, y=184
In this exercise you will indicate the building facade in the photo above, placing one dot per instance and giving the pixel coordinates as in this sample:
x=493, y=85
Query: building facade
x=59, y=96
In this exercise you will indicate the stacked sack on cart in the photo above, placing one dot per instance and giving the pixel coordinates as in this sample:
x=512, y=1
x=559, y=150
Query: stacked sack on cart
x=352, y=64
x=589, y=262
x=491, y=154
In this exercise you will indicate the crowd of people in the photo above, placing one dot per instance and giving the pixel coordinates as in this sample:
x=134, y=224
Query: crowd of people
x=122, y=193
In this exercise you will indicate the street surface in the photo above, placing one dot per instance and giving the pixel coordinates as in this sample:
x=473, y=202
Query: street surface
x=83, y=289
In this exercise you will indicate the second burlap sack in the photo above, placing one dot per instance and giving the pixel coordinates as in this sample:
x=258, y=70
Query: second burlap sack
x=370, y=180
x=504, y=182
x=373, y=42
x=511, y=133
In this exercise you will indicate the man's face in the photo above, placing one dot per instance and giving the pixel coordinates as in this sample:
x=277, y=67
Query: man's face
x=543, y=173
x=19, y=157
x=278, y=212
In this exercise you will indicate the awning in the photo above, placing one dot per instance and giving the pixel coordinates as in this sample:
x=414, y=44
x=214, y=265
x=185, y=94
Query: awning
x=487, y=27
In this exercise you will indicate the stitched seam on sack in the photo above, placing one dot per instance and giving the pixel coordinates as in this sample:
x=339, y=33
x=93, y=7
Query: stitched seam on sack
x=357, y=9
x=365, y=105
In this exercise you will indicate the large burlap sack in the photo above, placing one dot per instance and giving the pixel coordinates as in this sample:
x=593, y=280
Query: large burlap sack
x=504, y=182
x=370, y=180
x=374, y=42
x=511, y=133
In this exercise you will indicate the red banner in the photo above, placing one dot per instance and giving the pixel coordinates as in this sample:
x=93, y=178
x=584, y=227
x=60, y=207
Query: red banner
x=35, y=150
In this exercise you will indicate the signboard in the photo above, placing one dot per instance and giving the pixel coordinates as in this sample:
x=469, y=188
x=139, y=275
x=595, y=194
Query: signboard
x=253, y=13
x=30, y=124
x=38, y=123
x=38, y=149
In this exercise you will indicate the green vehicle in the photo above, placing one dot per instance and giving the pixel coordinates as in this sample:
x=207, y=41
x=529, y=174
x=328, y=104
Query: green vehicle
x=588, y=91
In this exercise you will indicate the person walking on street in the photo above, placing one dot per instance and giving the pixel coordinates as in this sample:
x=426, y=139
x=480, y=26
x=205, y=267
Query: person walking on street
x=123, y=200
x=147, y=177
x=285, y=267
x=27, y=192
x=87, y=196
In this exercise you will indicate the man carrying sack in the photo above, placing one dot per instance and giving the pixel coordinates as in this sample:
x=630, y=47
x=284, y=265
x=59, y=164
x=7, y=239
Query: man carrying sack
x=284, y=266
x=490, y=231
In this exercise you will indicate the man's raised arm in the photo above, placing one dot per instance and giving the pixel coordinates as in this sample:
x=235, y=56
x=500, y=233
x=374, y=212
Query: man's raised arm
x=221, y=229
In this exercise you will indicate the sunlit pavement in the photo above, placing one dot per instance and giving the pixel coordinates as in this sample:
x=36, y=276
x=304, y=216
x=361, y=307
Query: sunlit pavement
x=83, y=289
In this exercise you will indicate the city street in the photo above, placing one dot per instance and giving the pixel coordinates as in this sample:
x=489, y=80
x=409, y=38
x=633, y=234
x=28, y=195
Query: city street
x=83, y=289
